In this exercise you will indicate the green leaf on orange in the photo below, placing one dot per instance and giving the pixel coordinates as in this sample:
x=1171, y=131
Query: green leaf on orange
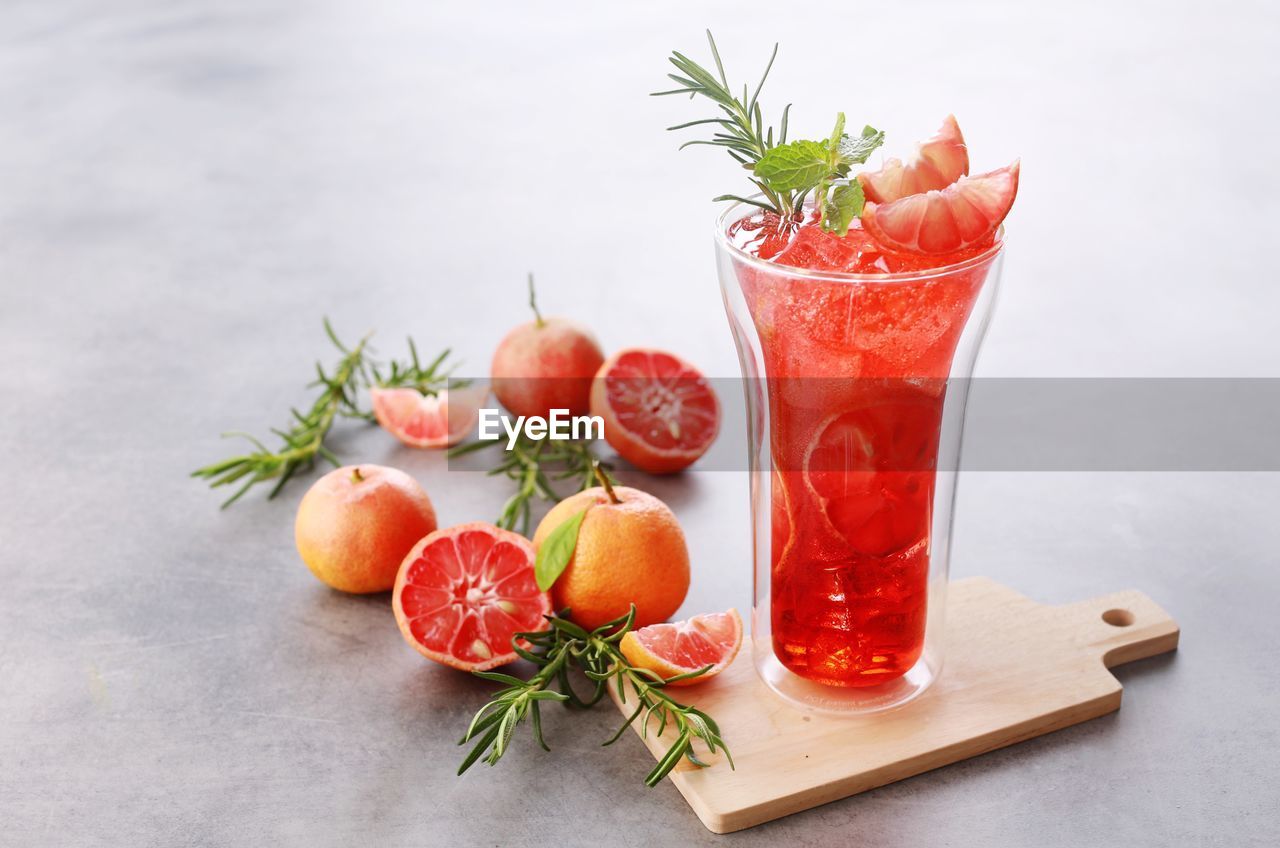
x=556, y=551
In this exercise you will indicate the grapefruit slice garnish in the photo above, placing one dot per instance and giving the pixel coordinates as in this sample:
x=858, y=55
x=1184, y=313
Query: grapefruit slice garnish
x=961, y=215
x=870, y=472
x=427, y=421
x=463, y=592
x=937, y=163
x=680, y=647
x=659, y=412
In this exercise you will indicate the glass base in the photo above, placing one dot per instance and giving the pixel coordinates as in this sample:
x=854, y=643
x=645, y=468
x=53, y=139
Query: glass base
x=836, y=700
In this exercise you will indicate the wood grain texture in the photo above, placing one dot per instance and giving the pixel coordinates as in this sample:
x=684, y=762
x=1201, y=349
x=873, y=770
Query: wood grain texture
x=1014, y=669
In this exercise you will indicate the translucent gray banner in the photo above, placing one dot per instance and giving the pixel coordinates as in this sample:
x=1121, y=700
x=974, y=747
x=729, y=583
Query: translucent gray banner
x=1010, y=424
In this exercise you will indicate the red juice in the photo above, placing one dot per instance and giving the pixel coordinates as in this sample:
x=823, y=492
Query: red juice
x=856, y=370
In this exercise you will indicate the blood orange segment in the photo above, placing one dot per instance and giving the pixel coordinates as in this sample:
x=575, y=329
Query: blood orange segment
x=463, y=592
x=427, y=421
x=936, y=222
x=711, y=639
x=937, y=163
x=659, y=412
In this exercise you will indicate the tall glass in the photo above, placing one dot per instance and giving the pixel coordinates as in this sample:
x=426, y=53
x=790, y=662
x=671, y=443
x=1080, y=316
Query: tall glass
x=856, y=387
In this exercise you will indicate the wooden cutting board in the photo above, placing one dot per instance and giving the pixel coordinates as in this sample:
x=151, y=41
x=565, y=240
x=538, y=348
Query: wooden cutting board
x=1014, y=669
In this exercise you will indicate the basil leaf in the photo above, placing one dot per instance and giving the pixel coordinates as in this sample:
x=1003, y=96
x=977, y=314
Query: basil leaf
x=556, y=551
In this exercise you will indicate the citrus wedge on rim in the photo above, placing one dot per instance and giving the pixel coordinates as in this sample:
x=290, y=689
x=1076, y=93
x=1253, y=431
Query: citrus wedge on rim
x=961, y=215
x=463, y=592
x=937, y=163
x=711, y=639
x=427, y=421
x=659, y=412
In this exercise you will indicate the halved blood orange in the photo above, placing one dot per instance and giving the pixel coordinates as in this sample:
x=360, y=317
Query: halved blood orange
x=427, y=421
x=711, y=639
x=463, y=592
x=937, y=163
x=659, y=412
x=961, y=215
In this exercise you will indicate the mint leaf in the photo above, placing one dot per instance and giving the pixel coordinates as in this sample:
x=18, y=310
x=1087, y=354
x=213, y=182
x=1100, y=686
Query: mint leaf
x=854, y=151
x=795, y=166
x=841, y=206
x=556, y=551
x=838, y=133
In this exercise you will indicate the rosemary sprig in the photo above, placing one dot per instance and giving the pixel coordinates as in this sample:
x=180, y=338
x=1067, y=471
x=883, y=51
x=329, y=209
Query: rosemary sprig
x=742, y=130
x=596, y=653
x=785, y=172
x=303, y=441
x=536, y=466
x=412, y=375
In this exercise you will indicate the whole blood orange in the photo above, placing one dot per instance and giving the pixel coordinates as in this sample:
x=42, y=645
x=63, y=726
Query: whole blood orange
x=631, y=551
x=659, y=412
x=543, y=365
x=355, y=524
x=463, y=592
x=711, y=639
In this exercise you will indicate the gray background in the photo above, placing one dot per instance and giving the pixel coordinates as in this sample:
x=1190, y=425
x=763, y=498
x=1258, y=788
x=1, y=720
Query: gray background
x=186, y=188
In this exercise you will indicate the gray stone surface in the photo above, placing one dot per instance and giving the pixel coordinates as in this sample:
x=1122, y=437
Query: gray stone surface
x=186, y=187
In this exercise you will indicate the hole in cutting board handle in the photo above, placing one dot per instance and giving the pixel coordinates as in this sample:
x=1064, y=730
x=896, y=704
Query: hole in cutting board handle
x=1118, y=617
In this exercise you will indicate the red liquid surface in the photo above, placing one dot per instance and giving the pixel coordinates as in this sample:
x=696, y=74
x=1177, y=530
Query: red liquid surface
x=856, y=375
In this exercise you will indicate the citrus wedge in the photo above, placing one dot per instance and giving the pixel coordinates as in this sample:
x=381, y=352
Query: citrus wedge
x=961, y=215
x=463, y=592
x=937, y=163
x=659, y=412
x=711, y=639
x=427, y=421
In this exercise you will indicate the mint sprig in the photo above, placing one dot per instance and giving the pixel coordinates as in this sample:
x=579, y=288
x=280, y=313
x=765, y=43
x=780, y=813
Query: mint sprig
x=801, y=167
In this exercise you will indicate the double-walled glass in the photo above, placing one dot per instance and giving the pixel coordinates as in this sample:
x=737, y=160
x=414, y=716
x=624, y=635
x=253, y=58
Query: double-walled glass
x=856, y=387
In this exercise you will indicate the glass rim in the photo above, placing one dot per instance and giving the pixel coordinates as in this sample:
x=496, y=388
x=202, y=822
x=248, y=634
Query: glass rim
x=722, y=240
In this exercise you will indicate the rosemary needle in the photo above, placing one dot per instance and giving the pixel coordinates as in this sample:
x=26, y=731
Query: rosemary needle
x=535, y=466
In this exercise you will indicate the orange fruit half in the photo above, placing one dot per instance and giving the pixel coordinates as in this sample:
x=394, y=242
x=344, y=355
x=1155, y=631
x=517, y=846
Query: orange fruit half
x=659, y=412
x=463, y=592
x=711, y=639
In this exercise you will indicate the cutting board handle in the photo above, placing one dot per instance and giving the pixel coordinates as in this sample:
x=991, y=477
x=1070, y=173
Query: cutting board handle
x=1124, y=626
